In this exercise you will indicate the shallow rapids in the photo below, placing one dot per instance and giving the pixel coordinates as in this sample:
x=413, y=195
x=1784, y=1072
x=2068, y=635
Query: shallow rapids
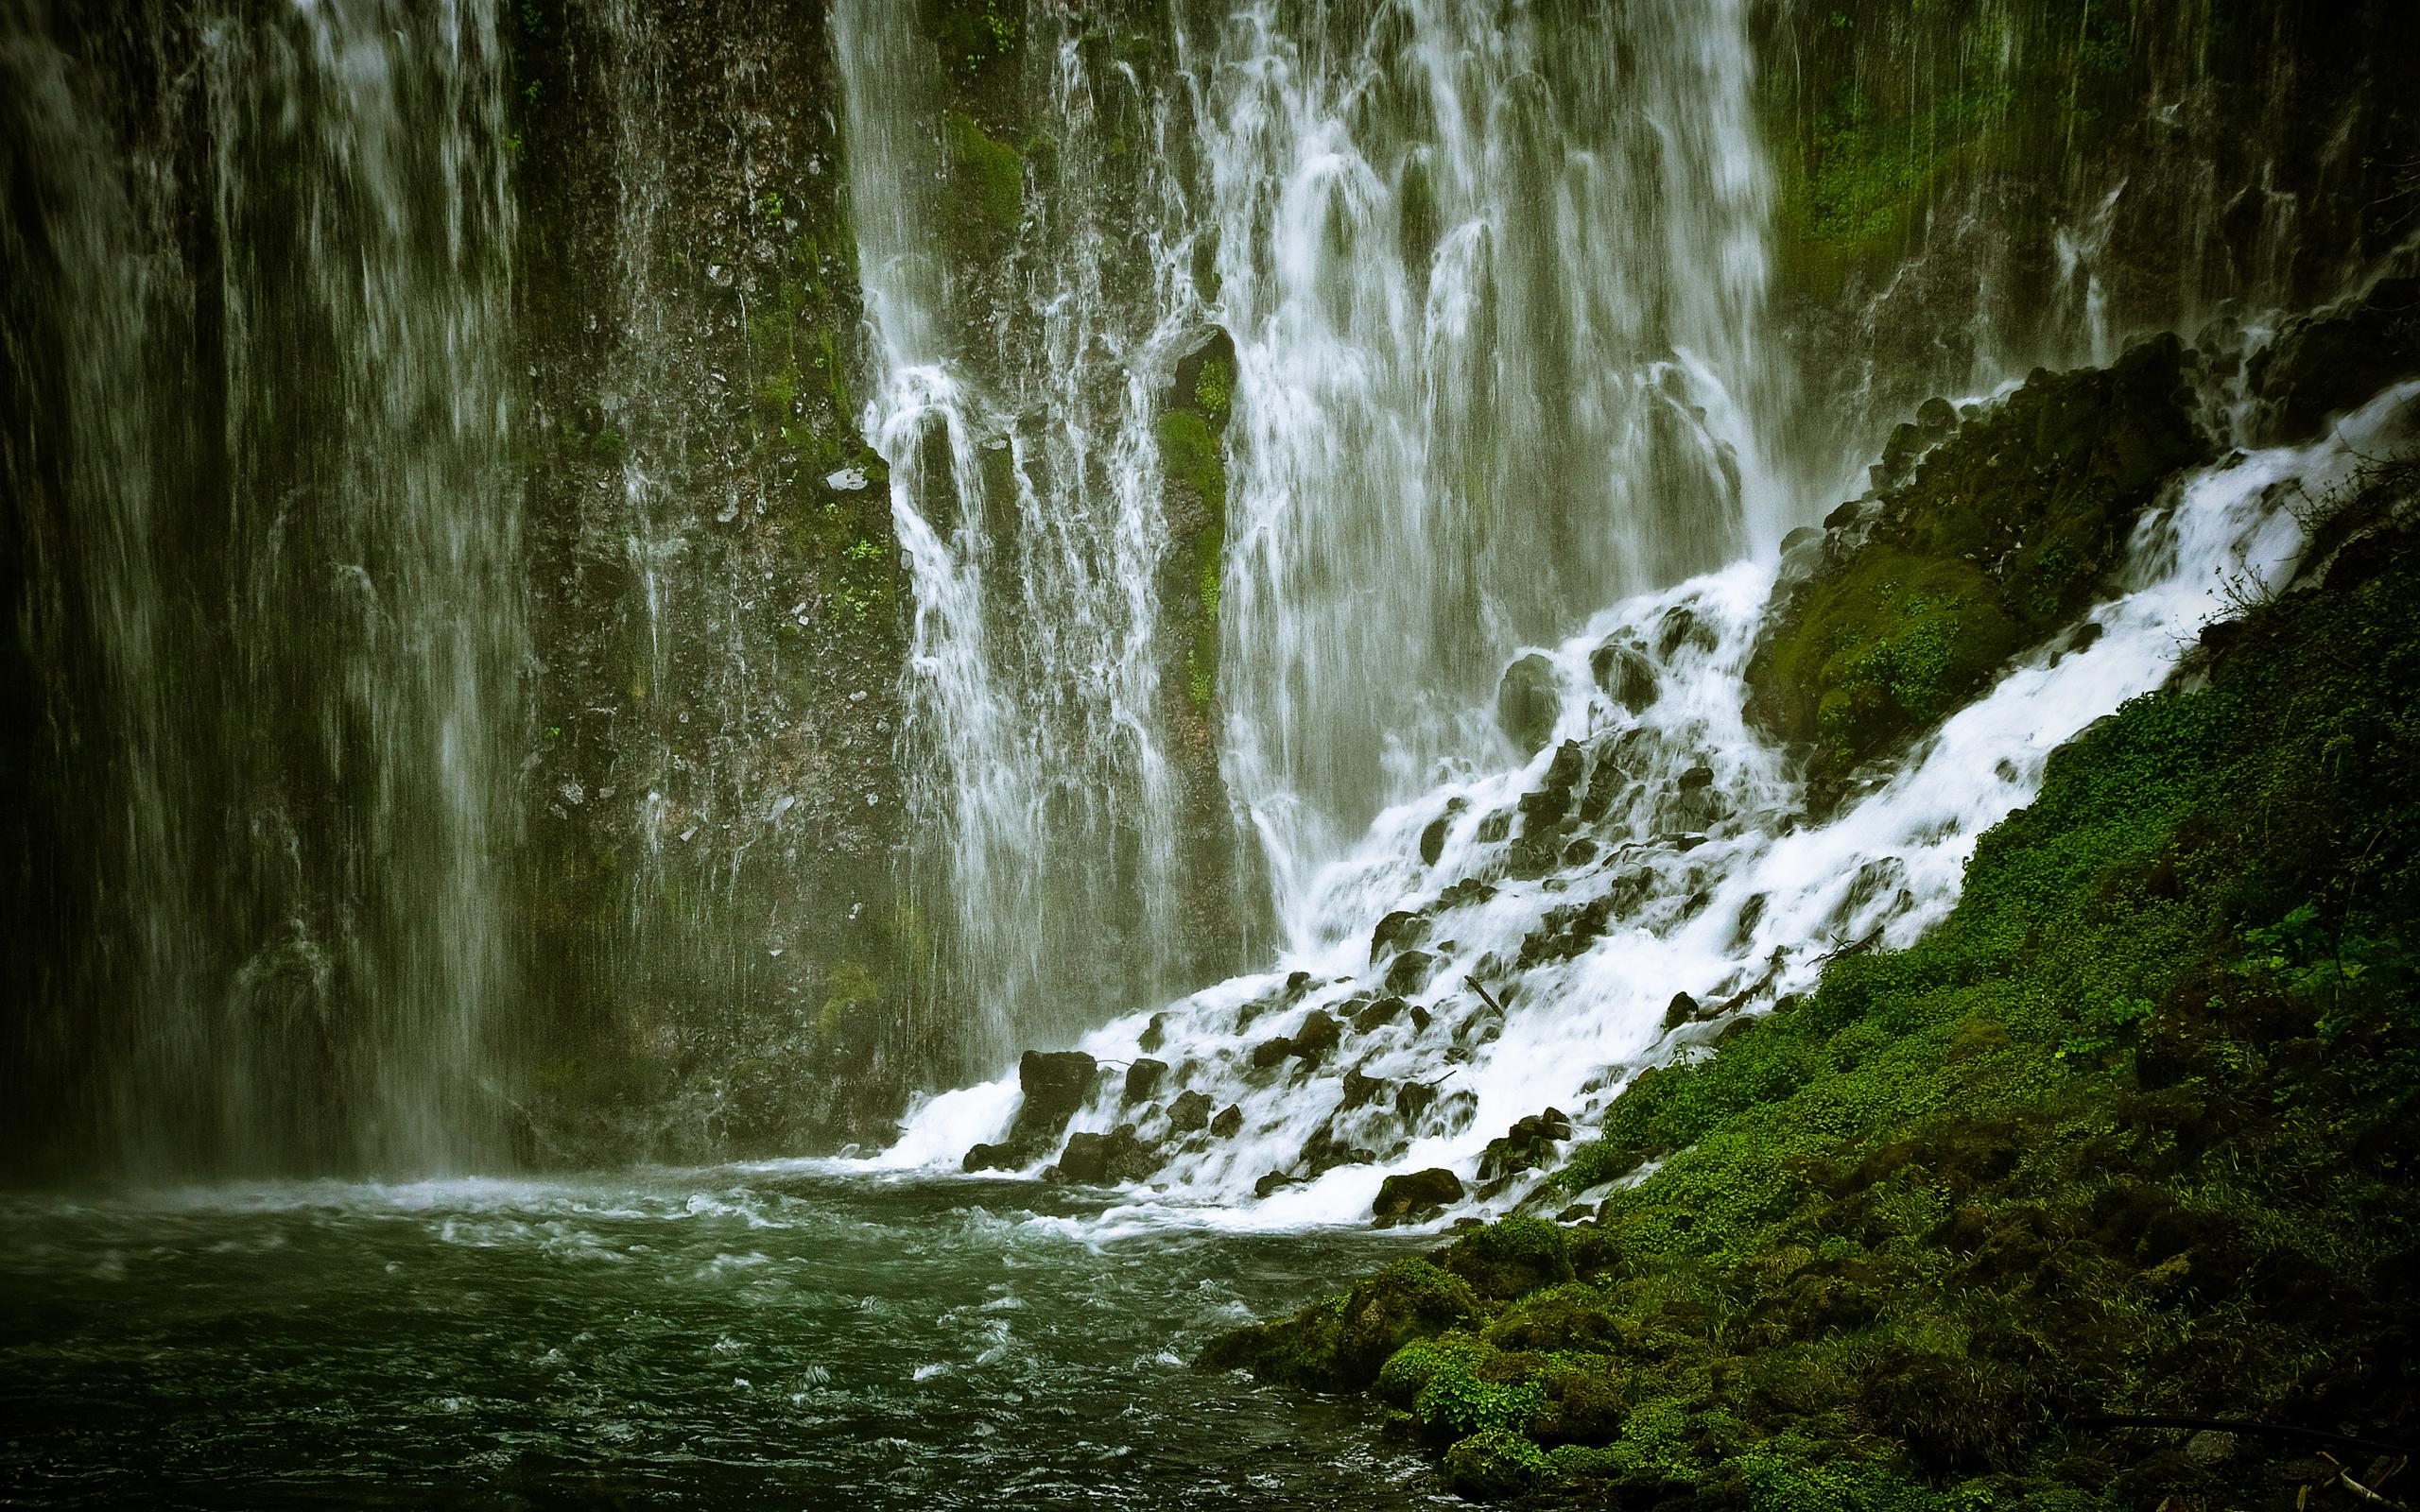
x=761, y=1335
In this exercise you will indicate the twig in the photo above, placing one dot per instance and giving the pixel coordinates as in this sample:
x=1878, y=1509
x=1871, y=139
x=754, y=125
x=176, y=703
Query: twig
x=2344, y=1478
x=1485, y=996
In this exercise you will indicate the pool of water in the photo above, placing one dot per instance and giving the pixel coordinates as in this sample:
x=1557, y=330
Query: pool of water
x=753, y=1337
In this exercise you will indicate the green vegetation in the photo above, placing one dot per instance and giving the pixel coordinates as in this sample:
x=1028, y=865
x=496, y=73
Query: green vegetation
x=2132, y=1131
x=2004, y=533
x=987, y=179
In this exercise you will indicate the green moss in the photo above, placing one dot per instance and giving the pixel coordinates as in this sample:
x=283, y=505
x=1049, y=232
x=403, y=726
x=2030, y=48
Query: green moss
x=1494, y=1464
x=2005, y=531
x=1193, y=456
x=2131, y=1132
x=987, y=179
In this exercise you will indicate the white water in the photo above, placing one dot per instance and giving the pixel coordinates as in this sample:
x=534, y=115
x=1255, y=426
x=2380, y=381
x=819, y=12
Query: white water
x=1493, y=284
x=1740, y=903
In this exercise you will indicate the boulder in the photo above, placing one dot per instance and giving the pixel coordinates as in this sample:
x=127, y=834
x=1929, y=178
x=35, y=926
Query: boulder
x=1680, y=1011
x=1417, y=1196
x=1399, y=931
x=2332, y=360
x=1271, y=1052
x=1410, y=972
x=1432, y=839
x=1190, y=1113
x=1055, y=1084
x=1625, y=675
x=1229, y=1122
x=1318, y=1035
x=1998, y=537
x=1360, y=1089
x=1528, y=702
x=990, y=1157
x=1378, y=1015
x=1142, y=1080
x=1085, y=1160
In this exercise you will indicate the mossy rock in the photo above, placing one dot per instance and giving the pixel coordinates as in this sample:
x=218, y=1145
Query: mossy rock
x=2008, y=529
x=1510, y=1258
x=1493, y=1465
x=1341, y=1344
x=987, y=182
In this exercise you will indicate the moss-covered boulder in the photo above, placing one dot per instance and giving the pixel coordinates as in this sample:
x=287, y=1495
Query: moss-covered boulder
x=1340, y=1344
x=2007, y=529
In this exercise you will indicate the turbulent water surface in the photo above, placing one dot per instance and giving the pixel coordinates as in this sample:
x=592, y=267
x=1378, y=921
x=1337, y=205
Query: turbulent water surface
x=740, y=1336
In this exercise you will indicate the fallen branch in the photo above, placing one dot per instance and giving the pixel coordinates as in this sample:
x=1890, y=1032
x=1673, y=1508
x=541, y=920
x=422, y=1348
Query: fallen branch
x=1485, y=996
x=1866, y=944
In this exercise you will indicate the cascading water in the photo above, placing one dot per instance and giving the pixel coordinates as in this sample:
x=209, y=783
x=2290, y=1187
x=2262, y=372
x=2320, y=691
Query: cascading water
x=1453, y=986
x=1496, y=282
x=267, y=611
x=1487, y=298
x=1027, y=498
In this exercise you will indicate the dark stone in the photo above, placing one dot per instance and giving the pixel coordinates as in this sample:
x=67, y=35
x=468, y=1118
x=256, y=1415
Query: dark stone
x=1155, y=1034
x=1274, y=1180
x=1528, y=702
x=1412, y=1099
x=1324, y=1152
x=1229, y=1122
x=1495, y=827
x=1190, y=1113
x=1680, y=1011
x=1625, y=674
x=1432, y=839
x=990, y=1157
x=1143, y=1079
x=1360, y=1089
x=2002, y=532
x=1318, y=1035
x=1416, y=1197
x=1377, y=1015
x=1410, y=972
x=1420, y=1018
x=1085, y=1160
x=1055, y=1083
x=1531, y=858
x=1400, y=931
x=1682, y=626
x=1697, y=777
x=1579, y=852
x=1937, y=416
x=1271, y=1052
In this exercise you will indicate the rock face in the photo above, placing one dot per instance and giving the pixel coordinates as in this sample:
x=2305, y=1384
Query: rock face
x=1528, y=702
x=1417, y=1196
x=2004, y=532
x=2327, y=362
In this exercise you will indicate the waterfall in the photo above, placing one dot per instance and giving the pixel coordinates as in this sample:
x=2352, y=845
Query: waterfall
x=1345, y=353
x=264, y=605
x=1027, y=497
x=1496, y=281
